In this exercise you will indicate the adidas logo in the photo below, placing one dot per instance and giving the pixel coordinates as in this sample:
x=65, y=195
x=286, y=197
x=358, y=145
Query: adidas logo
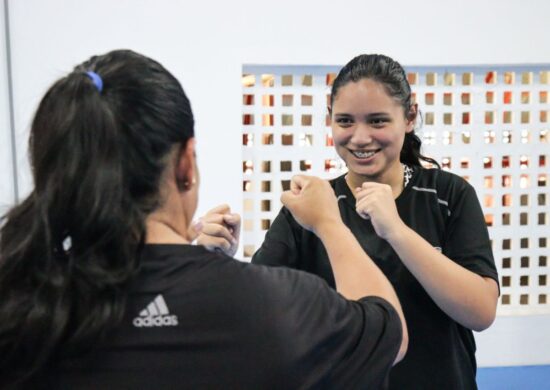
x=155, y=314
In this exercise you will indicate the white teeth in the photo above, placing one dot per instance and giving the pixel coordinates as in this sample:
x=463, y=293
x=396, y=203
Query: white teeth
x=363, y=154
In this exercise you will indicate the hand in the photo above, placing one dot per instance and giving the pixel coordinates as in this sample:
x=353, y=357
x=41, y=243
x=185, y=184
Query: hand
x=312, y=202
x=375, y=201
x=219, y=230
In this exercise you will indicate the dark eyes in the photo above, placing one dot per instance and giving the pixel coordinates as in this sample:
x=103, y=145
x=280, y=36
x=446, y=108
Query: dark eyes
x=379, y=121
x=376, y=122
x=344, y=121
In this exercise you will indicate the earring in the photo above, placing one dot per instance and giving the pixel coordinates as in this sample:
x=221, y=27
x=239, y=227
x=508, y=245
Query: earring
x=187, y=185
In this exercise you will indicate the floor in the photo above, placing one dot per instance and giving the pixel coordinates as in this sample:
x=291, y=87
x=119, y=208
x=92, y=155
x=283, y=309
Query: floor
x=514, y=378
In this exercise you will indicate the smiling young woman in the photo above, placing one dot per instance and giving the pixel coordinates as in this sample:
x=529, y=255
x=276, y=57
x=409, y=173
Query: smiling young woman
x=423, y=227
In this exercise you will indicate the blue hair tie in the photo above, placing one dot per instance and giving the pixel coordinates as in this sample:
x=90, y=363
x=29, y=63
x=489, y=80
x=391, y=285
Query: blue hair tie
x=96, y=79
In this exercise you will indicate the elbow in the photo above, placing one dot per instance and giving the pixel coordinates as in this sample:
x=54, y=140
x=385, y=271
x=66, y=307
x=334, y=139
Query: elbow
x=404, y=343
x=484, y=322
x=486, y=313
x=481, y=326
x=485, y=317
x=403, y=349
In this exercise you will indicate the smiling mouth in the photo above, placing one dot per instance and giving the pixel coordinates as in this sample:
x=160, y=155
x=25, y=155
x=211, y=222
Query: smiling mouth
x=364, y=154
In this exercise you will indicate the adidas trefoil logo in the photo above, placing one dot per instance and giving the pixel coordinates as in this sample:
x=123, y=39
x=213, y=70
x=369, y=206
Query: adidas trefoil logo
x=155, y=314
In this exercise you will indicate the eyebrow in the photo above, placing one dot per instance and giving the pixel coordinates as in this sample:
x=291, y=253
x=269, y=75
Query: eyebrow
x=378, y=114
x=372, y=114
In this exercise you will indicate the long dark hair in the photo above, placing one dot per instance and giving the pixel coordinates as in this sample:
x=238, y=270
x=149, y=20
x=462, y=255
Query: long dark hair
x=391, y=74
x=68, y=251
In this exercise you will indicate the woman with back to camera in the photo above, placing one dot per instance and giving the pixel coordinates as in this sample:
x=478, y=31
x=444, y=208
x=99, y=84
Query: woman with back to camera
x=423, y=227
x=100, y=288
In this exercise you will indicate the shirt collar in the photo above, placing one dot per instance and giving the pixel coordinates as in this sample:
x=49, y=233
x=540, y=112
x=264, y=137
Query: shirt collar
x=342, y=191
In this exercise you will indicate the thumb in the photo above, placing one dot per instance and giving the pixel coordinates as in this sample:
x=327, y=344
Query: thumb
x=297, y=183
x=220, y=209
x=288, y=198
x=194, y=229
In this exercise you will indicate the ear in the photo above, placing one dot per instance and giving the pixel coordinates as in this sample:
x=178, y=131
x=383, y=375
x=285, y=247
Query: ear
x=411, y=117
x=185, y=166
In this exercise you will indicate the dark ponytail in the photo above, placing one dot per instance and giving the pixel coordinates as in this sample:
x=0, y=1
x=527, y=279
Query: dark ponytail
x=69, y=250
x=391, y=74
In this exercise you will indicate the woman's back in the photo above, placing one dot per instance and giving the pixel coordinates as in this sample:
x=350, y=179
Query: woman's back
x=195, y=319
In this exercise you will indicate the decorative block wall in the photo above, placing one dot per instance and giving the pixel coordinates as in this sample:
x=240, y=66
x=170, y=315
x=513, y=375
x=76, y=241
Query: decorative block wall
x=489, y=124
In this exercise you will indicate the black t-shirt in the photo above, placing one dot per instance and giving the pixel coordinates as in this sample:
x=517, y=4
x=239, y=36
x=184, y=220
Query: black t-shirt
x=441, y=207
x=201, y=320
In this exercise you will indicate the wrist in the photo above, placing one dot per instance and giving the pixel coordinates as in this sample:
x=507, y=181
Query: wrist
x=396, y=234
x=329, y=229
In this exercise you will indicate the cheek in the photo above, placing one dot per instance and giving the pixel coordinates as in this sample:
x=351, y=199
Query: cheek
x=340, y=136
x=390, y=138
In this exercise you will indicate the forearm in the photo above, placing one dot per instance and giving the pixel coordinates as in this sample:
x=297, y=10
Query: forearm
x=466, y=297
x=314, y=206
x=355, y=273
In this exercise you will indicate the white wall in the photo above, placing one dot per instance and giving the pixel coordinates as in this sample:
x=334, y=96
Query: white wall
x=204, y=43
x=515, y=341
x=6, y=167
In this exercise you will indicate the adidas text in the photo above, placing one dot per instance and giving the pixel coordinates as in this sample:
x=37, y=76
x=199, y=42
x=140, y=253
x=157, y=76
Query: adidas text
x=149, y=322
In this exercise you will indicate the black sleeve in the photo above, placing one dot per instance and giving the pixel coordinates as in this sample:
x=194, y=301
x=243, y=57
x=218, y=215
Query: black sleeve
x=334, y=343
x=467, y=238
x=279, y=247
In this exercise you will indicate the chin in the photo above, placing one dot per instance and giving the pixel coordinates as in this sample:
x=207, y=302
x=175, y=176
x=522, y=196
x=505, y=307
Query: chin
x=363, y=170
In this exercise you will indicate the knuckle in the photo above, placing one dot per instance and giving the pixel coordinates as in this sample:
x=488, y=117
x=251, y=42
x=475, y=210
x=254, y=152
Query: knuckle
x=219, y=230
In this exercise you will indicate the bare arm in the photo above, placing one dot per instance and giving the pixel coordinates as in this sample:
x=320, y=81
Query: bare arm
x=466, y=297
x=355, y=273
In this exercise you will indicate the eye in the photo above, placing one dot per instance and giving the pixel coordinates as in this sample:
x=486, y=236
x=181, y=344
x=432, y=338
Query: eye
x=344, y=121
x=379, y=122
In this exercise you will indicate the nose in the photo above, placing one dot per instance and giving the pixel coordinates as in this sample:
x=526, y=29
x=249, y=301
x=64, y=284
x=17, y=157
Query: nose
x=362, y=135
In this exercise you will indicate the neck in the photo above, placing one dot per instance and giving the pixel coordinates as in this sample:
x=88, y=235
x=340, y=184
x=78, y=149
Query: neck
x=160, y=231
x=393, y=178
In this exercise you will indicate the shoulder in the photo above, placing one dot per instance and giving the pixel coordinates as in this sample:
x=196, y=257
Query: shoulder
x=442, y=191
x=176, y=267
x=328, y=312
x=282, y=284
x=445, y=184
x=338, y=183
x=438, y=177
x=184, y=270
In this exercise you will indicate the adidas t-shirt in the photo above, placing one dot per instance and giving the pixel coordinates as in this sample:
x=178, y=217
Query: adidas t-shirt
x=441, y=207
x=201, y=320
